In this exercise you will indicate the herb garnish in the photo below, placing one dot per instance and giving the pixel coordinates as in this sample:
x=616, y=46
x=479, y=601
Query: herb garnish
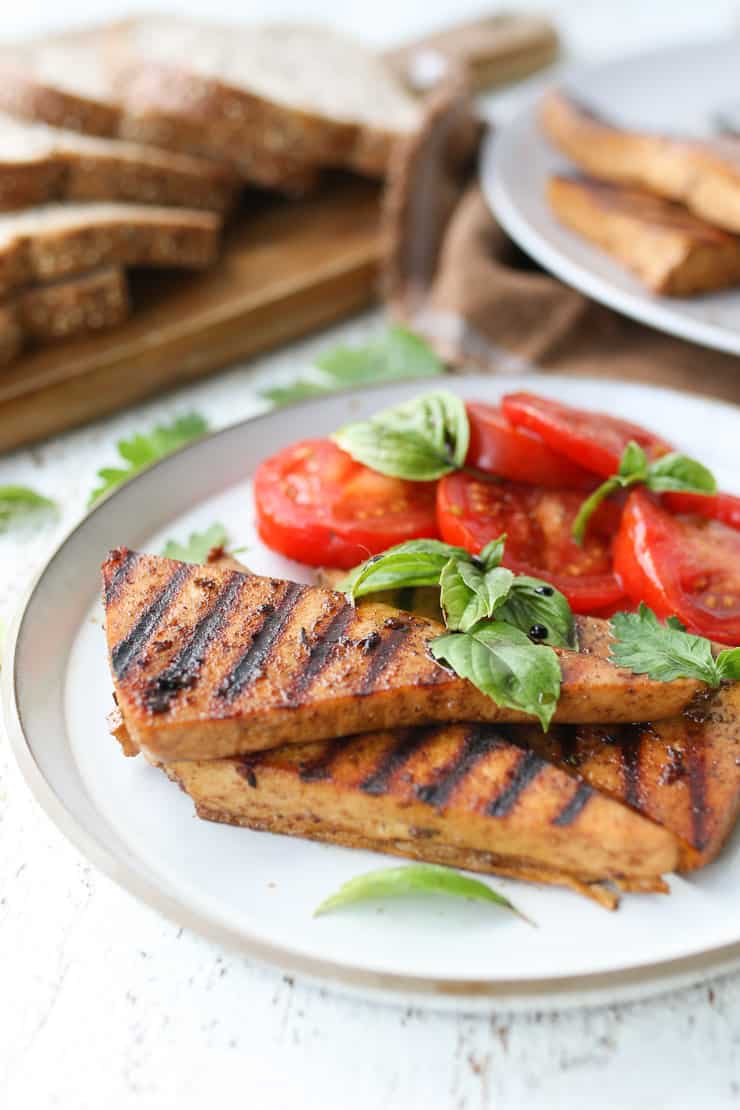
x=394, y=356
x=666, y=651
x=418, y=440
x=501, y=628
x=19, y=502
x=673, y=472
x=416, y=878
x=142, y=450
x=197, y=546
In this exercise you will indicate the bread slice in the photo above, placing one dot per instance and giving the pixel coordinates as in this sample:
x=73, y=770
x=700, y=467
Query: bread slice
x=275, y=102
x=56, y=240
x=39, y=163
x=672, y=251
x=74, y=306
x=704, y=175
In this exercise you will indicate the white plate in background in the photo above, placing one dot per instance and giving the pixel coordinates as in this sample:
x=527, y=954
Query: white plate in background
x=677, y=89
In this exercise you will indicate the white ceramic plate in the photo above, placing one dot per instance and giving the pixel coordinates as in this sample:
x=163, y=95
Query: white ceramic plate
x=677, y=90
x=258, y=891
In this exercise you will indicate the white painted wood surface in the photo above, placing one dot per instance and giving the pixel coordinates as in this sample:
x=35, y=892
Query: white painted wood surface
x=104, y=1004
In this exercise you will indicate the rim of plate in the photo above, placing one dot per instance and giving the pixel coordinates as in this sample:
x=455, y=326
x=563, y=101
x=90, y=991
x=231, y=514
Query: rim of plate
x=657, y=312
x=464, y=995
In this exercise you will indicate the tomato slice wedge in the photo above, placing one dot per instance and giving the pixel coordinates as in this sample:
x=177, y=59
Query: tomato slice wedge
x=594, y=440
x=537, y=522
x=717, y=506
x=516, y=453
x=683, y=565
x=317, y=505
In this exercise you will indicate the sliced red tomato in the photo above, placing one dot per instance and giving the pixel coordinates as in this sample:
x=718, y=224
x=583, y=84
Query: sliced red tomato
x=718, y=506
x=317, y=505
x=594, y=440
x=537, y=522
x=516, y=453
x=683, y=565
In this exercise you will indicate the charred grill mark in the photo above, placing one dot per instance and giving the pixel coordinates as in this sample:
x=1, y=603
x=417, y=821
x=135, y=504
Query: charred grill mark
x=183, y=670
x=383, y=655
x=320, y=769
x=394, y=759
x=113, y=586
x=631, y=742
x=696, y=772
x=126, y=650
x=252, y=662
x=479, y=741
x=575, y=806
x=526, y=769
x=320, y=652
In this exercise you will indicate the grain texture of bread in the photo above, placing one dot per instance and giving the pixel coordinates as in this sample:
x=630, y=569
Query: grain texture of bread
x=703, y=175
x=74, y=306
x=56, y=240
x=277, y=103
x=672, y=251
x=39, y=163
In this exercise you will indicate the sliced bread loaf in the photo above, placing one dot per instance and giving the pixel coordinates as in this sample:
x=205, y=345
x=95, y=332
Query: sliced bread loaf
x=40, y=163
x=55, y=240
x=74, y=306
x=276, y=102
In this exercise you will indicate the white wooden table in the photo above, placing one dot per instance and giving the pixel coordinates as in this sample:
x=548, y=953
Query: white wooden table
x=104, y=1004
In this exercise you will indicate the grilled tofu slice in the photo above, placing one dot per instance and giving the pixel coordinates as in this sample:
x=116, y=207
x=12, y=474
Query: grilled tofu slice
x=672, y=251
x=683, y=773
x=209, y=662
x=703, y=175
x=461, y=795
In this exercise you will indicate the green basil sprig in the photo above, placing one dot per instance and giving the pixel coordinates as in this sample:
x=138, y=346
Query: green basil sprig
x=671, y=472
x=419, y=440
x=410, y=564
x=504, y=663
x=416, y=878
x=665, y=651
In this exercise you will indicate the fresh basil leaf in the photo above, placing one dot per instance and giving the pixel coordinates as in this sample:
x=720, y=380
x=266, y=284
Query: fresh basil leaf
x=633, y=463
x=532, y=602
x=493, y=553
x=419, y=440
x=671, y=472
x=22, y=502
x=416, y=878
x=198, y=545
x=679, y=472
x=662, y=651
x=394, y=356
x=504, y=664
x=414, y=563
x=142, y=450
x=470, y=595
x=728, y=665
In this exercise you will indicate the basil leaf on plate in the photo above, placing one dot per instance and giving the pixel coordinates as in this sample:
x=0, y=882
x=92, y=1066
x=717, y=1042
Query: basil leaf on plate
x=674, y=472
x=469, y=594
x=414, y=563
x=419, y=440
x=536, y=605
x=415, y=878
x=504, y=664
x=665, y=651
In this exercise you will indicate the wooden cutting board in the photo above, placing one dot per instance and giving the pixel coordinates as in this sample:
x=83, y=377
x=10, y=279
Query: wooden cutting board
x=287, y=267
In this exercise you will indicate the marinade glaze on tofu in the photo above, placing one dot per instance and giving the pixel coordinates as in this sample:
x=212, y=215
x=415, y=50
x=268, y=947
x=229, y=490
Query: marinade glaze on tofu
x=209, y=662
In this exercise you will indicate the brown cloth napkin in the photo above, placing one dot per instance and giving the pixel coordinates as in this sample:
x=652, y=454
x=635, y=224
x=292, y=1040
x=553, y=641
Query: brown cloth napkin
x=453, y=275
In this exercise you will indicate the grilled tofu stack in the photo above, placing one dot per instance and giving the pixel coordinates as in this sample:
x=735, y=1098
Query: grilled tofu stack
x=282, y=707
